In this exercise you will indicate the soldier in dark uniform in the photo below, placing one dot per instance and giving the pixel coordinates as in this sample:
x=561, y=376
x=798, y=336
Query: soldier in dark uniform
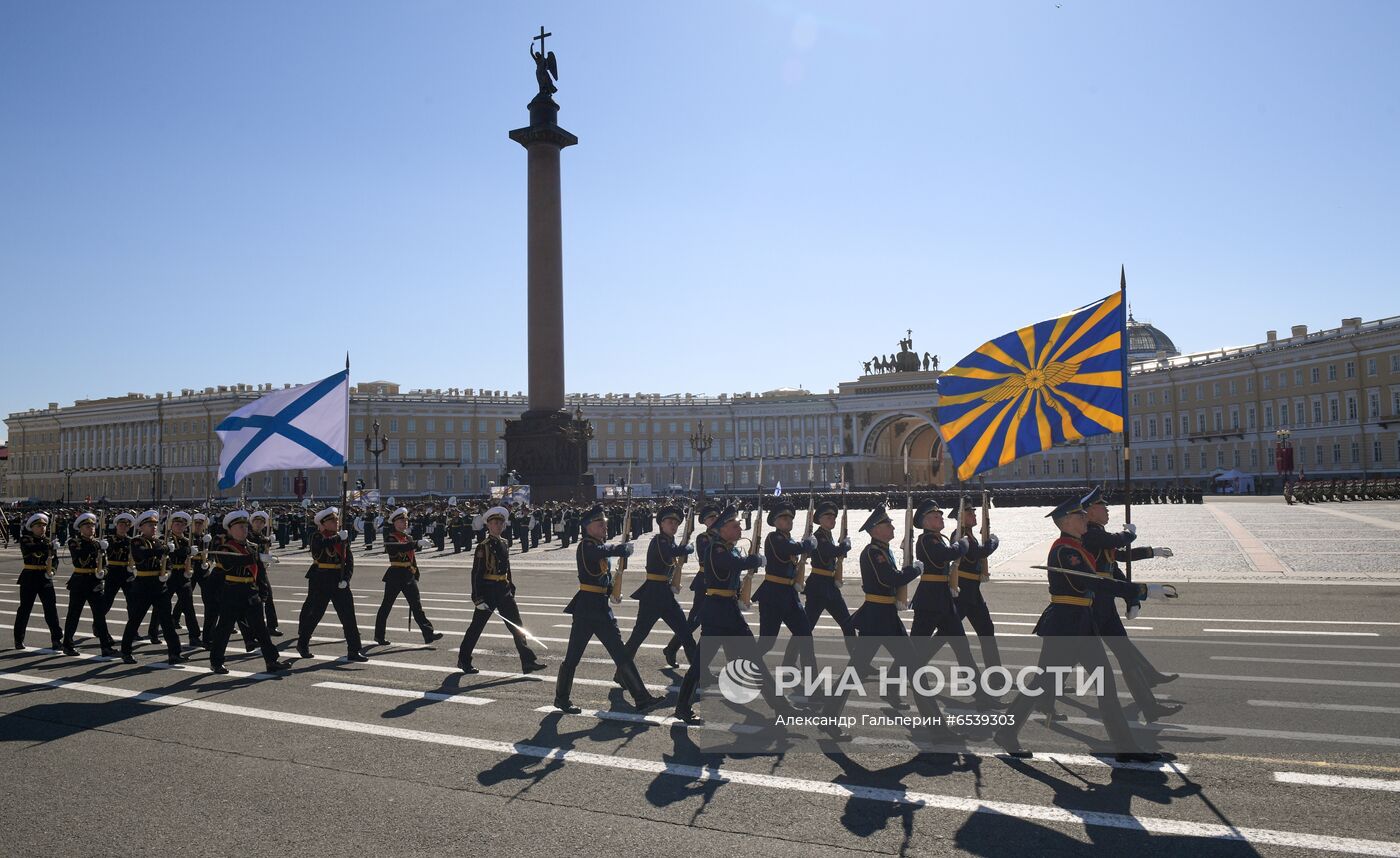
x=656, y=600
x=877, y=621
x=720, y=615
x=150, y=557
x=260, y=536
x=1069, y=634
x=698, y=584
x=592, y=617
x=493, y=590
x=778, y=603
x=180, y=584
x=456, y=532
x=1107, y=549
x=328, y=582
x=970, y=601
x=85, y=588
x=402, y=577
x=40, y=554
x=237, y=565
x=821, y=590
x=119, y=576
x=200, y=540
x=935, y=612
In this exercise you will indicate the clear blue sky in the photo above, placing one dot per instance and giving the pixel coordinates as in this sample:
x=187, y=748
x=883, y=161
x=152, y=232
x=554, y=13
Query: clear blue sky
x=766, y=193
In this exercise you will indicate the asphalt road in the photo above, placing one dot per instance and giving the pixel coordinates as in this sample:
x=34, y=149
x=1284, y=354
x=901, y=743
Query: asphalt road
x=1288, y=743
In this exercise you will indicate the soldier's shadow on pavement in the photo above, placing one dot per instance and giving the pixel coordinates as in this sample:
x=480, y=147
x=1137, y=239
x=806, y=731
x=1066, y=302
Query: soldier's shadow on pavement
x=864, y=817
x=530, y=769
x=995, y=834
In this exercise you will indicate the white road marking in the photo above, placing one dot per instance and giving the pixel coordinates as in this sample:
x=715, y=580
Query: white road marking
x=1303, y=661
x=407, y=693
x=1330, y=707
x=720, y=774
x=1336, y=781
x=1294, y=632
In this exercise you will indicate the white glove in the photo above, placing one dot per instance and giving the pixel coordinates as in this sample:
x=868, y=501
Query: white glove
x=343, y=584
x=102, y=543
x=344, y=535
x=808, y=544
x=627, y=549
x=1130, y=528
x=422, y=545
x=267, y=559
x=57, y=545
x=961, y=545
x=1156, y=590
x=1162, y=552
x=1134, y=609
x=846, y=543
x=206, y=539
x=919, y=566
x=992, y=543
x=164, y=578
x=762, y=561
x=166, y=547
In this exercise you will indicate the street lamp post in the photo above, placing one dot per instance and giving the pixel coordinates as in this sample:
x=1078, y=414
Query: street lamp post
x=1284, y=454
x=375, y=447
x=68, y=490
x=700, y=442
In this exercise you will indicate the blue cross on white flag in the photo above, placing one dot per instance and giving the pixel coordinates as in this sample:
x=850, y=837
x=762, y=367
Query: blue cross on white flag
x=299, y=427
x=778, y=489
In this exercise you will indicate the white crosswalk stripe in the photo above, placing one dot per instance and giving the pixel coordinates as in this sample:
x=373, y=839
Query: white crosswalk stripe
x=1336, y=781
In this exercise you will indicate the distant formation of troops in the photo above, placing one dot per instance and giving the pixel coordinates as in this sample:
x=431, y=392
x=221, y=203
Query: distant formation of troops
x=1323, y=491
x=157, y=561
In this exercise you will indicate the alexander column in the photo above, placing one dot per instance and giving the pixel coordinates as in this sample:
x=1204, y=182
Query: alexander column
x=547, y=446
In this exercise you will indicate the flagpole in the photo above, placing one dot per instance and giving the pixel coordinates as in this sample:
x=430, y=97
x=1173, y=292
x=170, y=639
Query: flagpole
x=345, y=465
x=1127, y=422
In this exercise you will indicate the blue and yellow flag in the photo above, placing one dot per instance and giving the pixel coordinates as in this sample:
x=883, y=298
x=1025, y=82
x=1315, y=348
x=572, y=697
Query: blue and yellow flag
x=1037, y=387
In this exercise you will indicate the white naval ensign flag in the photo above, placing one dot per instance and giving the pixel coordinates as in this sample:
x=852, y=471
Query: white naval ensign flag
x=299, y=427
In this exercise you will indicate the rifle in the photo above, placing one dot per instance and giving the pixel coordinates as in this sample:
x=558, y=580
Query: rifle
x=685, y=536
x=984, y=570
x=164, y=541
x=101, y=572
x=901, y=596
x=799, y=577
x=755, y=544
x=53, y=535
x=957, y=534
x=841, y=559
x=616, y=595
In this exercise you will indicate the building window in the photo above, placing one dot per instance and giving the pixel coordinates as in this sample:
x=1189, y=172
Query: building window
x=1171, y=462
x=1220, y=458
x=393, y=424
x=1249, y=422
x=1203, y=460
x=1314, y=374
x=612, y=449
x=430, y=448
x=1317, y=412
x=1355, y=453
x=1298, y=377
x=1269, y=416
x=359, y=424
x=1282, y=380
x=1283, y=414
x=393, y=450
x=1235, y=458
x=1253, y=457
x=1185, y=425
x=1351, y=407
x=1152, y=427
x=1234, y=418
x=447, y=426
x=1370, y=366
x=1154, y=461
x=1336, y=454
x=1215, y=390
x=1351, y=369
x=1373, y=404
x=1060, y=466
x=1333, y=412
x=1331, y=372
x=612, y=427
x=1376, y=452
x=1232, y=387
x=627, y=449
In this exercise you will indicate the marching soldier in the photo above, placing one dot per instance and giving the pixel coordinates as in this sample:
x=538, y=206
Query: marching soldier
x=708, y=515
x=328, y=581
x=592, y=617
x=934, y=610
x=85, y=588
x=150, y=557
x=119, y=575
x=656, y=600
x=40, y=555
x=877, y=621
x=402, y=577
x=777, y=599
x=261, y=536
x=238, y=564
x=821, y=590
x=1069, y=634
x=200, y=540
x=181, y=586
x=971, y=604
x=1106, y=549
x=492, y=591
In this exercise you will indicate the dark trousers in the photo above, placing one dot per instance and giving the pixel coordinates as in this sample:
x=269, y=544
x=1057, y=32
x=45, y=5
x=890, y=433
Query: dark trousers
x=86, y=590
x=738, y=643
x=786, y=610
x=904, y=655
x=505, y=603
x=34, y=583
x=149, y=594
x=692, y=622
x=395, y=584
x=663, y=607
x=210, y=591
x=823, y=595
x=587, y=626
x=240, y=606
x=1067, y=651
x=323, y=589
x=184, y=606
x=118, y=580
x=269, y=606
x=974, y=610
